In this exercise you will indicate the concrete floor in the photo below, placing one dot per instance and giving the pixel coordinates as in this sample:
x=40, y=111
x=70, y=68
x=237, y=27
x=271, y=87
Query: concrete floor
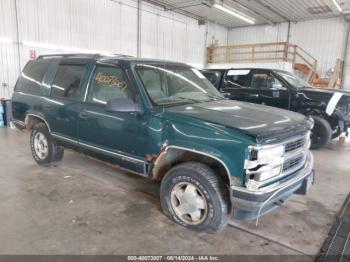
x=83, y=206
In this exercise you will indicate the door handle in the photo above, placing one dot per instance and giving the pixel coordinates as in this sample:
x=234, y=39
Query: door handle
x=83, y=115
x=254, y=95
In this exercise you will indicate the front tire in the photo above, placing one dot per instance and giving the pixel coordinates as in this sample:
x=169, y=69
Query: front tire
x=44, y=148
x=321, y=133
x=193, y=196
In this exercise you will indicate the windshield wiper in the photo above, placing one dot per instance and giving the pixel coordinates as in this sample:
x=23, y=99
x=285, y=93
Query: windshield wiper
x=188, y=99
x=215, y=97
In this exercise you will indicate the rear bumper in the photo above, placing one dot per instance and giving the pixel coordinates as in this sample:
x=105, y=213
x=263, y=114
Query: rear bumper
x=249, y=204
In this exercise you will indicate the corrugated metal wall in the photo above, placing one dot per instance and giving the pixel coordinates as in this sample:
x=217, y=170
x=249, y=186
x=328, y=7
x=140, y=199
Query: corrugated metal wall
x=346, y=73
x=258, y=34
x=217, y=34
x=171, y=36
x=51, y=26
x=323, y=39
x=9, y=58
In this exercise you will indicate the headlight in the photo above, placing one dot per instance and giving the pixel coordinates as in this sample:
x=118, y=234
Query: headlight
x=263, y=163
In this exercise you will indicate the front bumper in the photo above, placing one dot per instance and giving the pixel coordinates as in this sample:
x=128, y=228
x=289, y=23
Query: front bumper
x=251, y=204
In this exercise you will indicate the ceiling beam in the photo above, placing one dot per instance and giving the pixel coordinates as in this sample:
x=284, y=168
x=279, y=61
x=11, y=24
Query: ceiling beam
x=268, y=20
x=186, y=4
x=168, y=7
x=273, y=10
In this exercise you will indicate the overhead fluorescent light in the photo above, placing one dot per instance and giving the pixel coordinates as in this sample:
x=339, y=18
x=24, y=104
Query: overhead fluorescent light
x=5, y=40
x=234, y=13
x=337, y=6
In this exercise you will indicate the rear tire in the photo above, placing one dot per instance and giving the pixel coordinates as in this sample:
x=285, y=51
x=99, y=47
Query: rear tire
x=193, y=196
x=44, y=148
x=321, y=133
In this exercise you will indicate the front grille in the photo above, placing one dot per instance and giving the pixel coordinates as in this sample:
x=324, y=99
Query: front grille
x=295, y=154
x=292, y=163
x=291, y=146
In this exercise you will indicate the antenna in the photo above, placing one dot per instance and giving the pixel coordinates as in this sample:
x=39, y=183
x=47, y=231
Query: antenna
x=163, y=46
x=164, y=62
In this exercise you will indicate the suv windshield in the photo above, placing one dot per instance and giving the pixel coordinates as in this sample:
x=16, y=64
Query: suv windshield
x=174, y=84
x=293, y=80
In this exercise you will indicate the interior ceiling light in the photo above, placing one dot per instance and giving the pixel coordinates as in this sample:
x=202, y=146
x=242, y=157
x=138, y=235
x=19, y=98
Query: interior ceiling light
x=234, y=13
x=337, y=6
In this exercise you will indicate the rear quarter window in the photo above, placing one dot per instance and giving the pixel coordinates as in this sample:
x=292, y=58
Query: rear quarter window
x=213, y=77
x=238, y=78
x=31, y=77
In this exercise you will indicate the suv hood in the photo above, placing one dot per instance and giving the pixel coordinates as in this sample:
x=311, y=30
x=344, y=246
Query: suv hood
x=266, y=124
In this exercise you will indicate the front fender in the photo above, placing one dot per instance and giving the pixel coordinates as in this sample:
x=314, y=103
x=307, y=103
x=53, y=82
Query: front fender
x=232, y=160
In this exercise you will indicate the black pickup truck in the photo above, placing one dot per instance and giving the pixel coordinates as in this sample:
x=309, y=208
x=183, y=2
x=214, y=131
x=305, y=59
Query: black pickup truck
x=329, y=108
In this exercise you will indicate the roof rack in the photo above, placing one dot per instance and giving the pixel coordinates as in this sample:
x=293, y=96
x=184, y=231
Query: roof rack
x=81, y=55
x=68, y=55
x=122, y=55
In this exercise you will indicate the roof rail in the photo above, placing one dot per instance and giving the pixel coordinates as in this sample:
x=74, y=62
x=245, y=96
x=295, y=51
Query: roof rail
x=68, y=55
x=122, y=55
x=81, y=54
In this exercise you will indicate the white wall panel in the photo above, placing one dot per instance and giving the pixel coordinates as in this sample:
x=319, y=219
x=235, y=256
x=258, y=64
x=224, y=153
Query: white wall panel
x=195, y=47
x=9, y=68
x=323, y=38
x=286, y=66
x=171, y=36
x=9, y=58
x=217, y=33
x=258, y=34
x=109, y=26
x=346, y=74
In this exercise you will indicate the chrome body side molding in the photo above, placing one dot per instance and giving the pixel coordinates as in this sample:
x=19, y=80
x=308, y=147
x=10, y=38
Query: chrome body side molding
x=98, y=149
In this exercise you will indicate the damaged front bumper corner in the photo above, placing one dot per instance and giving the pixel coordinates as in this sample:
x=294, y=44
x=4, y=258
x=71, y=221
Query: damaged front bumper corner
x=249, y=204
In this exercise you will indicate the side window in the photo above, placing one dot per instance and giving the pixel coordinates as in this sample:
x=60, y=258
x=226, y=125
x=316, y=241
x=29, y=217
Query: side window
x=265, y=81
x=109, y=83
x=30, y=79
x=67, y=81
x=213, y=77
x=238, y=78
x=152, y=81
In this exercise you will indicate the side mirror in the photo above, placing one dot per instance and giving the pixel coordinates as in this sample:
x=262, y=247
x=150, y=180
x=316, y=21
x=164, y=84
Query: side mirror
x=123, y=105
x=278, y=86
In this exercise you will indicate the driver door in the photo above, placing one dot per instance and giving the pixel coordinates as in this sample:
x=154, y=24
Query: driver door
x=121, y=133
x=271, y=91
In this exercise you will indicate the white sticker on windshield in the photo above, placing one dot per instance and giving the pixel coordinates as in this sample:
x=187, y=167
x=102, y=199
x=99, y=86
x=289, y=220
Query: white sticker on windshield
x=333, y=103
x=238, y=72
x=198, y=73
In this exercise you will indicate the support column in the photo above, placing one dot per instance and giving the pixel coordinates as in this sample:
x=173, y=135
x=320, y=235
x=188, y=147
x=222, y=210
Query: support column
x=346, y=67
x=139, y=2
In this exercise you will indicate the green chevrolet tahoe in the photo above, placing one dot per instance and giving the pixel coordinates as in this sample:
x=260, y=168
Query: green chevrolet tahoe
x=215, y=157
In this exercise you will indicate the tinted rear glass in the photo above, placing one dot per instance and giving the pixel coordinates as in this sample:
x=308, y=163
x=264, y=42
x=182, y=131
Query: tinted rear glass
x=213, y=77
x=32, y=76
x=67, y=81
x=238, y=78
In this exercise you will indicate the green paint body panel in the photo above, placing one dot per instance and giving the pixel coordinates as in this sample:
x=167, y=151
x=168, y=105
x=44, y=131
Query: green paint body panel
x=223, y=129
